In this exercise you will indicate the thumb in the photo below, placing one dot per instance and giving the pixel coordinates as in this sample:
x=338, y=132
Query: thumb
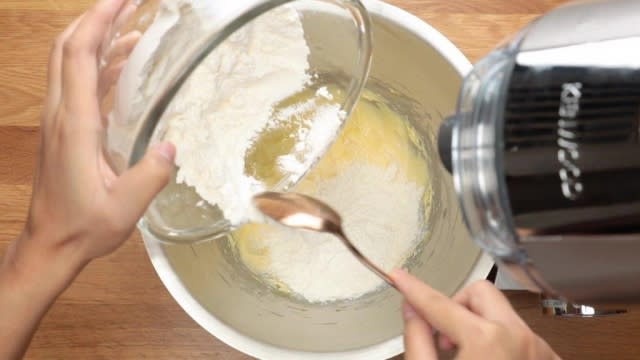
x=135, y=188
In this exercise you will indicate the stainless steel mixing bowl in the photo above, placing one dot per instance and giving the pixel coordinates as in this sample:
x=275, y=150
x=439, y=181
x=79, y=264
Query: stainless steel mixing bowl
x=419, y=71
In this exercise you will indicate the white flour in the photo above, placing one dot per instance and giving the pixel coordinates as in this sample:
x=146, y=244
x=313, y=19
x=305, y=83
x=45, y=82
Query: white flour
x=230, y=98
x=227, y=102
x=318, y=266
x=319, y=129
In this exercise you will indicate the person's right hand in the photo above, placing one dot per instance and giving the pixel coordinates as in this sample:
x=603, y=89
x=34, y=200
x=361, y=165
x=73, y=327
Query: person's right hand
x=479, y=321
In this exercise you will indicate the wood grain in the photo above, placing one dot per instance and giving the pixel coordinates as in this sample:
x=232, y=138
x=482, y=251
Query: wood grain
x=118, y=309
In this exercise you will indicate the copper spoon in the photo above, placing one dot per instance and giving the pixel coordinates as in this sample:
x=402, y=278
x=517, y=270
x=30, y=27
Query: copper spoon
x=303, y=212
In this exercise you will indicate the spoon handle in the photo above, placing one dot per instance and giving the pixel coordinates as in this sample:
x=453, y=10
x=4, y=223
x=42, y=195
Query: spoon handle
x=363, y=259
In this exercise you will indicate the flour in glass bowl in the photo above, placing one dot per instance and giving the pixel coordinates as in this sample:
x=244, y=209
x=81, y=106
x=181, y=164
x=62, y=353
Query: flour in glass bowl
x=229, y=101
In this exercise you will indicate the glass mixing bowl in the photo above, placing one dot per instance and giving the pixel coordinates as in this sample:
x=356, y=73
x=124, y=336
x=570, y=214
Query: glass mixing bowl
x=153, y=50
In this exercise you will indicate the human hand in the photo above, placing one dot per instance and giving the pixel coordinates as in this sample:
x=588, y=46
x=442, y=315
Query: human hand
x=479, y=321
x=80, y=209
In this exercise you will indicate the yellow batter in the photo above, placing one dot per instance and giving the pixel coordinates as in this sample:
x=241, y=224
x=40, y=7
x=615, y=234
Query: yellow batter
x=374, y=134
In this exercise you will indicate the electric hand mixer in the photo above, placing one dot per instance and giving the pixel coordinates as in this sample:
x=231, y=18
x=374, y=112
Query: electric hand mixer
x=545, y=154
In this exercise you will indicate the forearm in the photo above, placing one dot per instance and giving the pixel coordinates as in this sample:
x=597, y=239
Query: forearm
x=20, y=315
x=30, y=282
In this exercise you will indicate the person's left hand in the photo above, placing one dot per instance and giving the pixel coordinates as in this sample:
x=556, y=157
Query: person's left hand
x=80, y=209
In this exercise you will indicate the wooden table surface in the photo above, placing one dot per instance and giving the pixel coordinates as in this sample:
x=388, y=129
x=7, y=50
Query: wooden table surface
x=117, y=308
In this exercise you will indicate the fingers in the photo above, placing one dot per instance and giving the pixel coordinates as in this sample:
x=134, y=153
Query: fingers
x=109, y=77
x=80, y=60
x=55, y=71
x=484, y=299
x=441, y=312
x=123, y=46
x=121, y=20
x=116, y=59
x=444, y=343
x=96, y=24
x=135, y=189
x=418, y=336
